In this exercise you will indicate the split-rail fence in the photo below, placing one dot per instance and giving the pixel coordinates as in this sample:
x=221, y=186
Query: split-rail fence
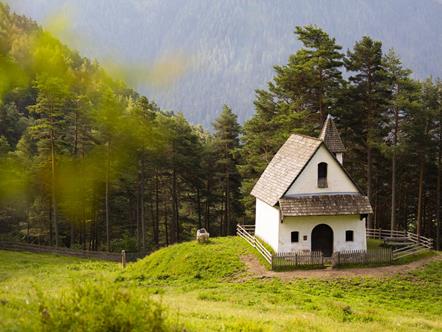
x=404, y=243
x=101, y=255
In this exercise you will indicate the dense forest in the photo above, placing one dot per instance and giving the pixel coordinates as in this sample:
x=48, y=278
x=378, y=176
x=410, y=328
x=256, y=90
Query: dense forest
x=87, y=162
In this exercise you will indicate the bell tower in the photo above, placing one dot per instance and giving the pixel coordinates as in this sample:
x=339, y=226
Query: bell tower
x=330, y=136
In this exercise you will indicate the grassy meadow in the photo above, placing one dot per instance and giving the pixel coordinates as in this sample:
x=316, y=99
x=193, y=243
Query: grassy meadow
x=196, y=287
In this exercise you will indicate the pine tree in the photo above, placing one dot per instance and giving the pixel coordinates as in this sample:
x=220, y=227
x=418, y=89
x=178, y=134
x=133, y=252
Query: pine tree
x=312, y=74
x=226, y=145
x=368, y=100
x=298, y=99
x=405, y=94
x=439, y=168
x=48, y=129
x=420, y=124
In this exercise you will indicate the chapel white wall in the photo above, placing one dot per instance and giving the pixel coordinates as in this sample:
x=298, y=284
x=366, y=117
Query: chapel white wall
x=305, y=225
x=267, y=223
x=337, y=179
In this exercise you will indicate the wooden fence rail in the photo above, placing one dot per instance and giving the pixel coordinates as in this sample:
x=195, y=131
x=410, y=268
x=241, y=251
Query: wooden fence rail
x=245, y=231
x=280, y=261
x=407, y=251
x=370, y=256
x=315, y=259
x=293, y=260
x=387, y=233
x=101, y=255
x=378, y=233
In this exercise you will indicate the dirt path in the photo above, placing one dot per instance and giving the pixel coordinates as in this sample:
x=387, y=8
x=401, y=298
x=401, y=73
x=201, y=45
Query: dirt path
x=258, y=270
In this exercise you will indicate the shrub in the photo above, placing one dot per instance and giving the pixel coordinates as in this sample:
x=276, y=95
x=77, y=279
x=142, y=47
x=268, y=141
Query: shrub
x=101, y=307
x=126, y=242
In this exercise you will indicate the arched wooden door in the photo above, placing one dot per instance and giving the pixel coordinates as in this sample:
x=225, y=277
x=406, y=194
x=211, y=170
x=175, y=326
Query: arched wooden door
x=322, y=239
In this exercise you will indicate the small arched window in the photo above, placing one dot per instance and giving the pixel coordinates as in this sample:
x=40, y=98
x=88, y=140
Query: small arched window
x=322, y=175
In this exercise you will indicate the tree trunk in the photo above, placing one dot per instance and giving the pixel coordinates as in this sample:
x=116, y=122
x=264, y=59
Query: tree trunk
x=393, y=193
x=393, y=171
x=85, y=244
x=420, y=197
x=54, y=197
x=228, y=216
x=174, y=233
x=92, y=235
x=137, y=214
x=107, y=196
x=142, y=218
x=166, y=229
x=322, y=111
x=207, y=217
x=71, y=245
x=97, y=235
x=369, y=141
x=369, y=183
x=28, y=223
x=74, y=153
x=156, y=228
x=439, y=186
x=198, y=198
x=51, y=240
x=83, y=198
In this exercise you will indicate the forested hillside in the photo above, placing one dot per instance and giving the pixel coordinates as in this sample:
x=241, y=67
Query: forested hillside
x=231, y=46
x=88, y=162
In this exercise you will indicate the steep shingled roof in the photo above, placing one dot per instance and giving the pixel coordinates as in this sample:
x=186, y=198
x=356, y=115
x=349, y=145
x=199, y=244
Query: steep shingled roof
x=330, y=136
x=285, y=166
x=325, y=205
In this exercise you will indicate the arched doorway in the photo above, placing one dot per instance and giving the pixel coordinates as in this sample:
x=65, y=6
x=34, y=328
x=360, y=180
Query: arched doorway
x=322, y=239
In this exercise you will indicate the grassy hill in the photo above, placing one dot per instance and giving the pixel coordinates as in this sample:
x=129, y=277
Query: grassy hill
x=219, y=259
x=206, y=288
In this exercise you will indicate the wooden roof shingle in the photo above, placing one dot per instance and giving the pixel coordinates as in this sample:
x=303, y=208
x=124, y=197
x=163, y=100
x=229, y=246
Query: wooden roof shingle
x=330, y=136
x=325, y=205
x=285, y=166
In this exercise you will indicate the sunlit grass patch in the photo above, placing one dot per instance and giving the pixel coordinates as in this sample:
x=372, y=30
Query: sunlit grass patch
x=223, y=298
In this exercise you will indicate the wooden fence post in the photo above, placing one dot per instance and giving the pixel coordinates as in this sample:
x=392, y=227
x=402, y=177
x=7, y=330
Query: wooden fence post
x=123, y=258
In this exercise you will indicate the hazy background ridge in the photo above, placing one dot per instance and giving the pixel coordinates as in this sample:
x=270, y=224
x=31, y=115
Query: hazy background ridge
x=232, y=45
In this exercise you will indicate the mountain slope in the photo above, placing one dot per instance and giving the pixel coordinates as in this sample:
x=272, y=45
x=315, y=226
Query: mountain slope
x=231, y=46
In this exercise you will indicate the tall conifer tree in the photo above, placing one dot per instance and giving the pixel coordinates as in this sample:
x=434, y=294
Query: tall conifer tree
x=298, y=99
x=368, y=103
x=226, y=145
x=405, y=95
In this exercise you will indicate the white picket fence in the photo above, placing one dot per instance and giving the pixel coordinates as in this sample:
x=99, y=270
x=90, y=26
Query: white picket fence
x=369, y=256
x=280, y=261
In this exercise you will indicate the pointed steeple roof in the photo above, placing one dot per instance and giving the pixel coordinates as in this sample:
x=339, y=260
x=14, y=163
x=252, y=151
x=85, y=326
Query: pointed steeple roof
x=330, y=136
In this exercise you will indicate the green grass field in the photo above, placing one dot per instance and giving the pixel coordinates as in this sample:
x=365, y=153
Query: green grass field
x=206, y=288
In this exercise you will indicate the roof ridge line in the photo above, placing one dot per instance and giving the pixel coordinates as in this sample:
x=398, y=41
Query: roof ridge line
x=306, y=136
